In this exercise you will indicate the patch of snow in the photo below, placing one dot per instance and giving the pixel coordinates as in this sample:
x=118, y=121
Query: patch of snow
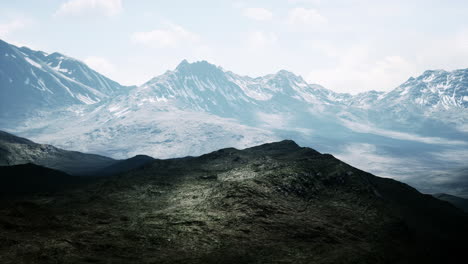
x=405, y=91
x=122, y=112
x=251, y=89
x=113, y=108
x=43, y=86
x=33, y=63
x=86, y=99
x=58, y=68
x=429, y=78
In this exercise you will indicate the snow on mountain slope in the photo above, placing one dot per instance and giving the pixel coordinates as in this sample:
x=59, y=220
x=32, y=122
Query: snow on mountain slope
x=191, y=110
x=201, y=86
x=283, y=83
x=433, y=104
x=364, y=100
x=31, y=81
x=433, y=90
x=157, y=132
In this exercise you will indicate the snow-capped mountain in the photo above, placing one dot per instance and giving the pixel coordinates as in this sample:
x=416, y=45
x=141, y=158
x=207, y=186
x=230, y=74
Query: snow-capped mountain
x=433, y=90
x=196, y=108
x=34, y=80
x=432, y=104
x=201, y=86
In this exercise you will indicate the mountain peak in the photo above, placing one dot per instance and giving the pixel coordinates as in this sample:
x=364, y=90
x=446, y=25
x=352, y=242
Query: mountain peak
x=182, y=64
x=57, y=55
x=284, y=145
x=286, y=73
x=436, y=71
x=202, y=65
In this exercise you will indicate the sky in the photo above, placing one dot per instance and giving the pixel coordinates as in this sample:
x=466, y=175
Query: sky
x=345, y=45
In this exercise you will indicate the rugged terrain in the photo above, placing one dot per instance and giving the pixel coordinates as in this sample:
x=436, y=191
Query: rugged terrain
x=275, y=203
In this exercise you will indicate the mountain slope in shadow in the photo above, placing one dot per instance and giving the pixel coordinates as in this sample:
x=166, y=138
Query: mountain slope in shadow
x=275, y=203
x=459, y=202
x=29, y=178
x=16, y=150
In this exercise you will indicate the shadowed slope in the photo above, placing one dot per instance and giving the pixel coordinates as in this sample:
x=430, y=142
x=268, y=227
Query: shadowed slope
x=16, y=150
x=275, y=203
x=30, y=178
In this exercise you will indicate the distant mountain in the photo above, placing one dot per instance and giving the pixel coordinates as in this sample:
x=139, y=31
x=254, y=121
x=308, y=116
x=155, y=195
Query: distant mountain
x=433, y=90
x=459, y=202
x=32, y=81
x=15, y=150
x=433, y=104
x=274, y=203
x=201, y=86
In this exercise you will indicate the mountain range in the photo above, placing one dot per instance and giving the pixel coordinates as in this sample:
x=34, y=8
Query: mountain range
x=415, y=133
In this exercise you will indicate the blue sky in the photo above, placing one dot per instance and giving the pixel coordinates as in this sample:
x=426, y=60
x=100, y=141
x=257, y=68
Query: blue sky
x=344, y=45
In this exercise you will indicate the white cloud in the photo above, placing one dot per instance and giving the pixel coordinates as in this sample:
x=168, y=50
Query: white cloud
x=449, y=52
x=170, y=36
x=259, y=40
x=85, y=7
x=353, y=69
x=260, y=14
x=457, y=156
x=306, y=17
x=13, y=25
x=100, y=65
x=305, y=1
